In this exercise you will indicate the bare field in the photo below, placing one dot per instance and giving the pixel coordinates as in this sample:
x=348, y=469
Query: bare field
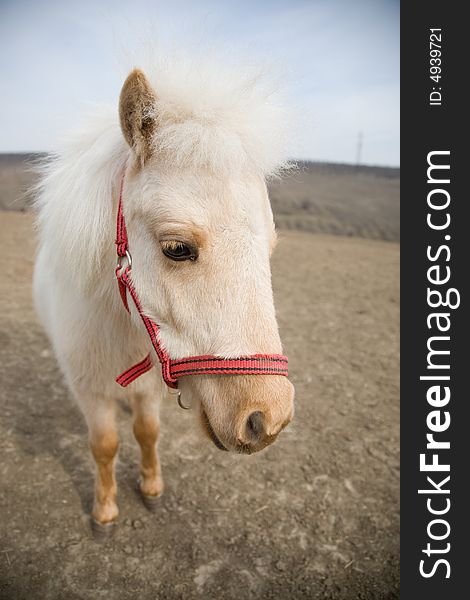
x=314, y=516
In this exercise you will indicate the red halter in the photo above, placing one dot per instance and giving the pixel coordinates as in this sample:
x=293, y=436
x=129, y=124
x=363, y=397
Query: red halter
x=172, y=370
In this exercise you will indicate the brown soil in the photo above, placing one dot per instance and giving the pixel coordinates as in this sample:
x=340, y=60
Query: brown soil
x=313, y=516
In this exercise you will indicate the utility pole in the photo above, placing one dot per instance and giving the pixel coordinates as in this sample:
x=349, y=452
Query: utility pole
x=359, y=148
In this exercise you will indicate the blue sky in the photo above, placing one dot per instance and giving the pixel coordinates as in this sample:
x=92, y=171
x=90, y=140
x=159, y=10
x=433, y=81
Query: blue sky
x=339, y=60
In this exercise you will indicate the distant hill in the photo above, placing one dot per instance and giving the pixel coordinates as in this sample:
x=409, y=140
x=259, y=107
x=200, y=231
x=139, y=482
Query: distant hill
x=361, y=201
x=340, y=199
x=16, y=178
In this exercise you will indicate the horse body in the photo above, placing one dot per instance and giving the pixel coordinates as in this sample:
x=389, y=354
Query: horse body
x=194, y=182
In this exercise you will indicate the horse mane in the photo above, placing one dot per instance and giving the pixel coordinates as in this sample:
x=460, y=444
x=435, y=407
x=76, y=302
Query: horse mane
x=208, y=116
x=75, y=197
x=219, y=117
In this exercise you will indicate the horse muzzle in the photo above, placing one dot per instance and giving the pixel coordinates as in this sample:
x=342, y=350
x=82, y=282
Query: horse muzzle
x=247, y=424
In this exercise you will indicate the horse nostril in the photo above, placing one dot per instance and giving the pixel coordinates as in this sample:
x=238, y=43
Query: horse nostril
x=255, y=426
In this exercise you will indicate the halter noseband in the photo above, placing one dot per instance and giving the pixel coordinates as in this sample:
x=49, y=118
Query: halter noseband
x=173, y=369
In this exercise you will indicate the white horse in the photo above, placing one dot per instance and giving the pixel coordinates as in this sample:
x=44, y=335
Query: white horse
x=196, y=146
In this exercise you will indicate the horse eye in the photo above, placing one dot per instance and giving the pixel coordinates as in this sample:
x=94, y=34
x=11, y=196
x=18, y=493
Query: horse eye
x=179, y=251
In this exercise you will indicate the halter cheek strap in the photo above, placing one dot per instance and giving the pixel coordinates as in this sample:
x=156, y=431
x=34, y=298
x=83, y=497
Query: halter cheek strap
x=172, y=370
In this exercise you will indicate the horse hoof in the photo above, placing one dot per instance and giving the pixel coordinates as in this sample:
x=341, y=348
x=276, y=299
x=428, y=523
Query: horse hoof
x=102, y=531
x=151, y=502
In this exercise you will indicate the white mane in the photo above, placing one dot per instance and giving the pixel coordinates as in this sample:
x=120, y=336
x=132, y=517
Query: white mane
x=208, y=116
x=217, y=117
x=76, y=196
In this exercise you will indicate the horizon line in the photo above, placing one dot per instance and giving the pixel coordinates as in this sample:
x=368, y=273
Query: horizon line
x=295, y=160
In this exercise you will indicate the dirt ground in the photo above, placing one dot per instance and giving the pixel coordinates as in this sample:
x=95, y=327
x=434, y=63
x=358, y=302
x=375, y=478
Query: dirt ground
x=314, y=516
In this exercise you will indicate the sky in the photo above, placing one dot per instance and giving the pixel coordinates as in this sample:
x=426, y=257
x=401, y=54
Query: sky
x=338, y=61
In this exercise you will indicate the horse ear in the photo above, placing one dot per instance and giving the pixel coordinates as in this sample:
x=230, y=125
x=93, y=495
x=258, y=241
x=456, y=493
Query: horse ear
x=137, y=114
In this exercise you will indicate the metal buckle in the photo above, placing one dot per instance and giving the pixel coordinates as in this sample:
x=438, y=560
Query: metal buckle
x=128, y=258
x=177, y=393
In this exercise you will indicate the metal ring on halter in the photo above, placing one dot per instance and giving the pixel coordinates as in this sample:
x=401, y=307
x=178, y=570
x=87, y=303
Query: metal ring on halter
x=128, y=257
x=180, y=403
x=177, y=393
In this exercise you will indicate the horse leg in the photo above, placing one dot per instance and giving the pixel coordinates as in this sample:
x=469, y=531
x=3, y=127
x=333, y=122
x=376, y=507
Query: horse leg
x=104, y=443
x=146, y=431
